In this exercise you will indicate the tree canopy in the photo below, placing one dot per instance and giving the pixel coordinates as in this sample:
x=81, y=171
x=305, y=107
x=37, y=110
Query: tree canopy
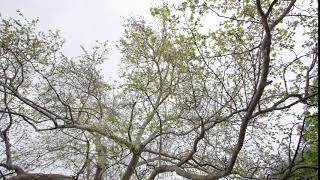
x=209, y=89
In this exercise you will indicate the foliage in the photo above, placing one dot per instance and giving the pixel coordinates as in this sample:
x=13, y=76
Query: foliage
x=310, y=154
x=194, y=101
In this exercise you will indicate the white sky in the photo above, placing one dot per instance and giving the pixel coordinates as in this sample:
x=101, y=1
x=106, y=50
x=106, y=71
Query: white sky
x=82, y=21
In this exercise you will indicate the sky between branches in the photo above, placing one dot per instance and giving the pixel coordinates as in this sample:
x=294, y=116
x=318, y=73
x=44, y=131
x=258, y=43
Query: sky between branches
x=82, y=22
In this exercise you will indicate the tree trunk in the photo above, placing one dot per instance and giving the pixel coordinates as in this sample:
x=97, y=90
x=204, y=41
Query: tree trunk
x=99, y=173
x=131, y=167
x=40, y=176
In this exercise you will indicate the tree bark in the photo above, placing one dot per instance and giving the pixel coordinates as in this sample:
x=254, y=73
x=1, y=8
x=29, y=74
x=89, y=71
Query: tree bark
x=29, y=176
x=132, y=165
x=99, y=173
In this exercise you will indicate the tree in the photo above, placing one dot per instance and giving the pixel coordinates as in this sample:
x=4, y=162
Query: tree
x=305, y=157
x=193, y=101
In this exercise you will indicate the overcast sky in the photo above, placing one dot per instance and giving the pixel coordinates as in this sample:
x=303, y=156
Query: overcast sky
x=81, y=21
